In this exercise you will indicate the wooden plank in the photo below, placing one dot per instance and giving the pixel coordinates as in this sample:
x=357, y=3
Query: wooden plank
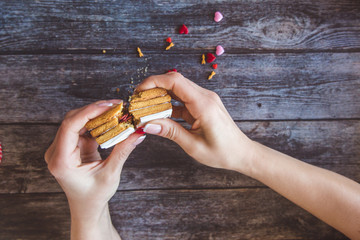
x=248, y=25
x=42, y=88
x=161, y=164
x=195, y=214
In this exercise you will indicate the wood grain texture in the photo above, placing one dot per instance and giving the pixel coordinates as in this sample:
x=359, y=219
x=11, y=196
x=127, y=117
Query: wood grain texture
x=42, y=88
x=160, y=164
x=186, y=214
x=248, y=25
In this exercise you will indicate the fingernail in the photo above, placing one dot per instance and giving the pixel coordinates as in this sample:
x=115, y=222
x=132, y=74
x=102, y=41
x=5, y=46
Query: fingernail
x=139, y=140
x=105, y=104
x=152, y=128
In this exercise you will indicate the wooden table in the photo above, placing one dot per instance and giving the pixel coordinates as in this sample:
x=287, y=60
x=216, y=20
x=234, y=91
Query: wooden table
x=290, y=78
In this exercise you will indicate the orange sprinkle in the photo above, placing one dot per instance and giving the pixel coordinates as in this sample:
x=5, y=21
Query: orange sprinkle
x=211, y=75
x=203, y=59
x=140, y=53
x=170, y=46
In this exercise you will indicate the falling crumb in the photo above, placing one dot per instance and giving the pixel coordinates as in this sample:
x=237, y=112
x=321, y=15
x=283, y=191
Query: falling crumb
x=140, y=53
x=211, y=75
x=170, y=46
x=104, y=51
x=203, y=59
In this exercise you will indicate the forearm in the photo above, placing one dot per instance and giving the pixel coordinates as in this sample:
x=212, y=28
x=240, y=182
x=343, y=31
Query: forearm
x=329, y=196
x=92, y=223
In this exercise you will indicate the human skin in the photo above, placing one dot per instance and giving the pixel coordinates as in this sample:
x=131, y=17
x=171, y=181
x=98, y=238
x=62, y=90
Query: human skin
x=216, y=141
x=213, y=140
x=88, y=181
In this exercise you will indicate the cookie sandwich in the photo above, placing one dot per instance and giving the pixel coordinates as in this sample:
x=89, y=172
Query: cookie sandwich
x=116, y=124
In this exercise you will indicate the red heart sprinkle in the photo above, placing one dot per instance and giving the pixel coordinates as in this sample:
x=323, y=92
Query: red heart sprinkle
x=210, y=57
x=168, y=39
x=140, y=130
x=172, y=70
x=183, y=29
x=0, y=152
x=214, y=66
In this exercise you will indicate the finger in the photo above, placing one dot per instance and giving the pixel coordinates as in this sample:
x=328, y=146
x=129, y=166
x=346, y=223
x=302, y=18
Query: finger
x=122, y=151
x=183, y=88
x=174, y=131
x=68, y=134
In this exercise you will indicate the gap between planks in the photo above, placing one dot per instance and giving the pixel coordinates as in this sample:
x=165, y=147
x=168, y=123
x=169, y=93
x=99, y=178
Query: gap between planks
x=181, y=121
x=174, y=52
x=184, y=190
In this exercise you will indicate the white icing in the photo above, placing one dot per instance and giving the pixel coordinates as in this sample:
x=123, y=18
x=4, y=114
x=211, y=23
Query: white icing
x=159, y=115
x=118, y=138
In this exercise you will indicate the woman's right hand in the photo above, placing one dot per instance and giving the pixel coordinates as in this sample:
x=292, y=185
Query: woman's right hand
x=214, y=139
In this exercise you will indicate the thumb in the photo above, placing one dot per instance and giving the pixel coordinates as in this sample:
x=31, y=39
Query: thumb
x=122, y=150
x=172, y=130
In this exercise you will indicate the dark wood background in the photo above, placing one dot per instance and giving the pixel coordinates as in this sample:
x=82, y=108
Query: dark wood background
x=290, y=78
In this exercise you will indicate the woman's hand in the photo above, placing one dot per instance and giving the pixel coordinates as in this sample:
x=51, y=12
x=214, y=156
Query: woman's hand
x=214, y=139
x=87, y=181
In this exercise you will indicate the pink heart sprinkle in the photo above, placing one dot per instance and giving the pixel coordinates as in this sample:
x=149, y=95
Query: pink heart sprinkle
x=218, y=17
x=219, y=50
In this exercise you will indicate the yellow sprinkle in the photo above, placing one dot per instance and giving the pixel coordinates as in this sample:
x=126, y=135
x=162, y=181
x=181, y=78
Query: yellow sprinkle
x=140, y=53
x=170, y=46
x=203, y=59
x=211, y=75
x=104, y=51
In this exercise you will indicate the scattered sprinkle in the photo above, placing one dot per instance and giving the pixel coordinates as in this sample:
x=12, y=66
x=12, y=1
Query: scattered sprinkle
x=183, y=29
x=170, y=46
x=203, y=59
x=0, y=152
x=104, y=51
x=210, y=57
x=140, y=53
x=168, y=40
x=117, y=90
x=140, y=130
x=218, y=16
x=211, y=75
x=219, y=50
x=172, y=70
x=214, y=66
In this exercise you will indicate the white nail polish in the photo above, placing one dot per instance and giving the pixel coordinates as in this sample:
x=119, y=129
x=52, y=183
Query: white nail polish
x=139, y=140
x=105, y=104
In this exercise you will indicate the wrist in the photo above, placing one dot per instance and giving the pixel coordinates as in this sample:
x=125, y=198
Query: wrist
x=91, y=222
x=245, y=157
